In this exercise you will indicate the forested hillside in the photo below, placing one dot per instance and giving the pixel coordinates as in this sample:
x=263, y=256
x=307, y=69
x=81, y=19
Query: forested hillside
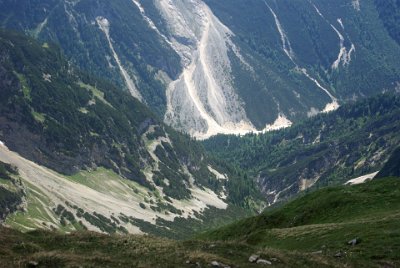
x=200, y=133
x=225, y=66
x=327, y=149
x=389, y=13
x=91, y=132
x=73, y=27
x=392, y=166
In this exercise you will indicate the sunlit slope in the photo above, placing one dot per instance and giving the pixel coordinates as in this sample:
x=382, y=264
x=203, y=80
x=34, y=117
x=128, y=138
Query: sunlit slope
x=325, y=221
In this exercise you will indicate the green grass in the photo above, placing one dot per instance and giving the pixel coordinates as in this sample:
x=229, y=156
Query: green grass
x=96, y=93
x=35, y=213
x=329, y=205
x=7, y=183
x=326, y=220
x=85, y=249
x=39, y=117
x=307, y=232
x=106, y=181
x=24, y=84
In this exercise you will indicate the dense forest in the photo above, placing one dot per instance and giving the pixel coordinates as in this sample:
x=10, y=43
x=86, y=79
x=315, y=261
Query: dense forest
x=389, y=13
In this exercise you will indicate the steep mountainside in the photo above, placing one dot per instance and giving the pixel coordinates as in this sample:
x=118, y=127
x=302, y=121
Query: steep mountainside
x=113, y=164
x=389, y=13
x=392, y=166
x=327, y=149
x=230, y=66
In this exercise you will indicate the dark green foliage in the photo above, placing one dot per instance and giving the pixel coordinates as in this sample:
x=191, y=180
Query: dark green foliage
x=392, y=166
x=73, y=28
x=103, y=223
x=65, y=214
x=68, y=120
x=59, y=209
x=182, y=228
x=9, y=202
x=65, y=129
x=352, y=141
x=273, y=86
x=276, y=86
x=389, y=13
x=7, y=170
x=87, y=121
x=177, y=187
x=69, y=216
x=158, y=132
x=10, y=198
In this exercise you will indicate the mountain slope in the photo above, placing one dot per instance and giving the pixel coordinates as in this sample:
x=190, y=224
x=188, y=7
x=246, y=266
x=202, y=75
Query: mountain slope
x=107, y=152
x=299, y=234
x=392, y=166
x=330, y=149
x=389, y=13
x=323, y=222
x=76, y=27
x=226, y=66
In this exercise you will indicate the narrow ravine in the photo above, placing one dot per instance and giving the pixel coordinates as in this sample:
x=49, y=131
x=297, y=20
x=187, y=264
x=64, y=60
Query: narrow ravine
x=344, y=55
x=104, y=26
x=287, y=48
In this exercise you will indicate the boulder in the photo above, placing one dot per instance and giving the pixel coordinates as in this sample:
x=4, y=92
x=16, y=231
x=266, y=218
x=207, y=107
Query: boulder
x=353, y=242
x=219, y=264
x=317, y=252
x=263, y=262
x=215, y=264
x=253, y=258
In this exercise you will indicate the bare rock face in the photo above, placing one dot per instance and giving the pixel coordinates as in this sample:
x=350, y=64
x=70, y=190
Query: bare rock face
x=202, y=100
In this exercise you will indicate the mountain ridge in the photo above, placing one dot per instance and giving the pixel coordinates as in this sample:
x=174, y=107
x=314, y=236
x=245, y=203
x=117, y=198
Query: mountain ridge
x=218, y=72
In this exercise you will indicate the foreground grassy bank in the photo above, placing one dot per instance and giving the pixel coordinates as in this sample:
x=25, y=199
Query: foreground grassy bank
x=325, y=221
x=85, y=249
x=311, y=231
